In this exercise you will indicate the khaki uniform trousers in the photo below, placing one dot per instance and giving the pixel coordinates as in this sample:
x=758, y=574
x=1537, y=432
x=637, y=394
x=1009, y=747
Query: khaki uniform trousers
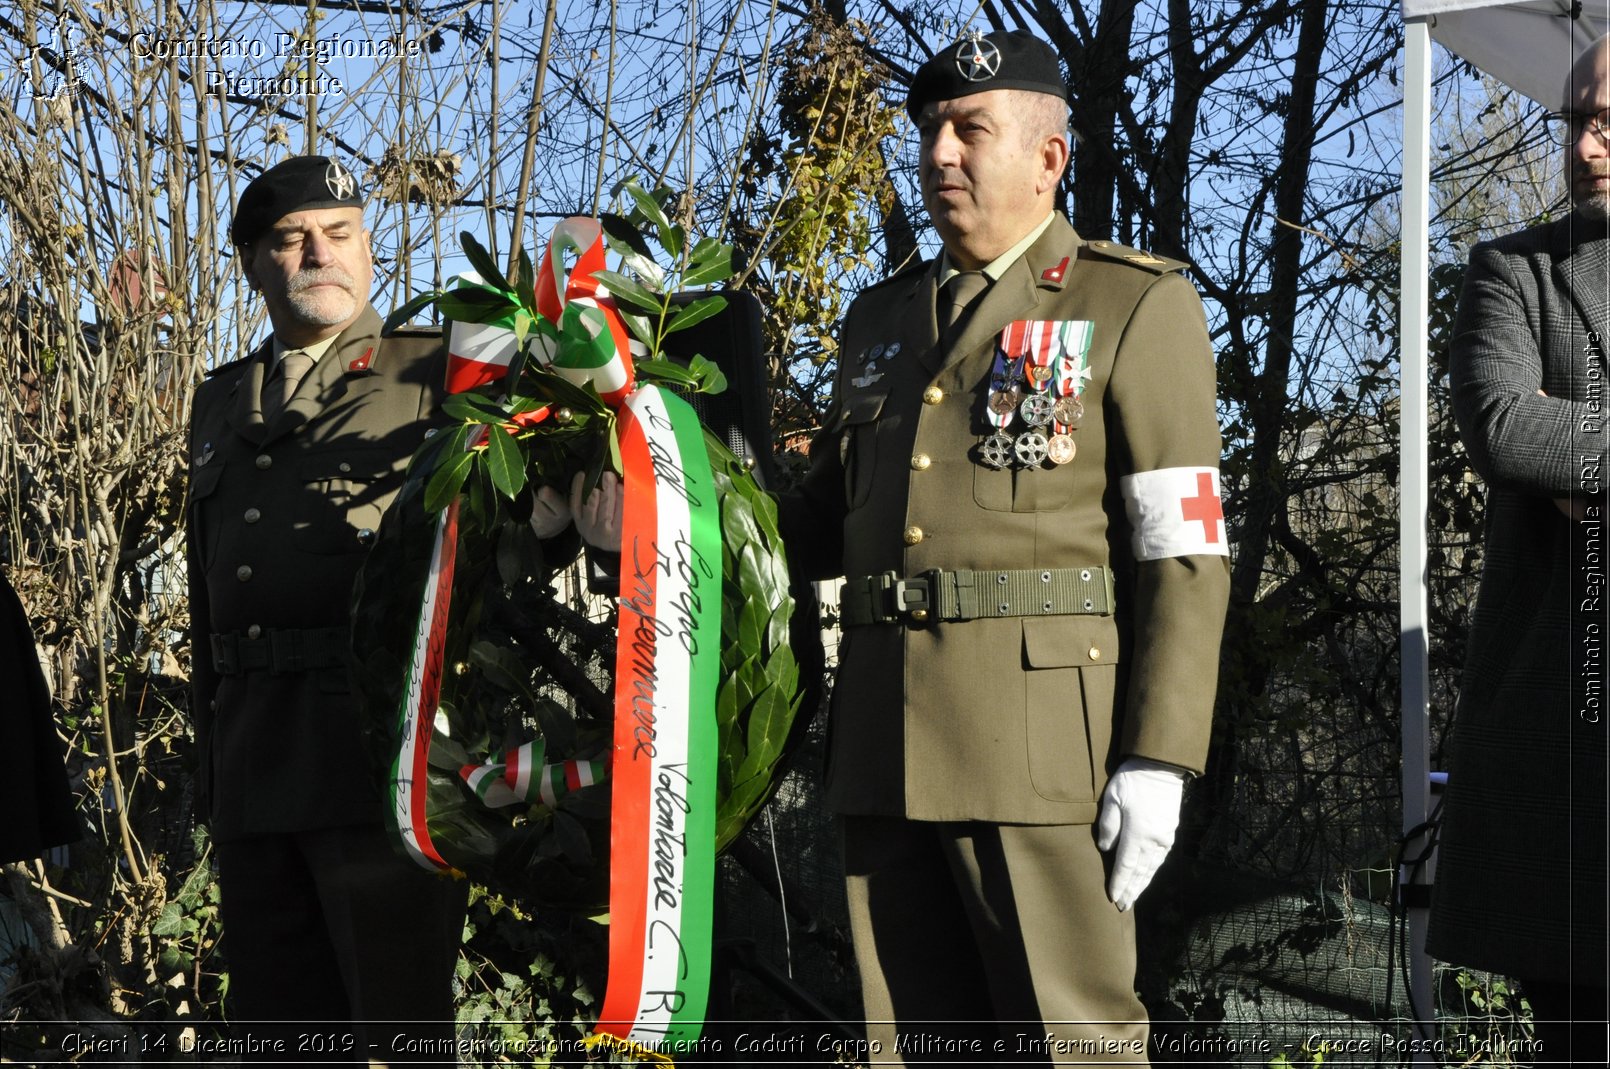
x=990, y=943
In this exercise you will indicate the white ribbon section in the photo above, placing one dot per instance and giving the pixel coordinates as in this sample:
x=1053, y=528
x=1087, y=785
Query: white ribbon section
x=1175, y=512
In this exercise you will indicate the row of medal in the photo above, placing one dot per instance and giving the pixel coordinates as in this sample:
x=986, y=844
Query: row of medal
x=1040, y=370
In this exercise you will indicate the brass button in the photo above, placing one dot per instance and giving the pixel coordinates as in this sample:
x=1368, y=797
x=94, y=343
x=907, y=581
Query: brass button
x=253, y=515
x=254, y=631
x=345, y=467
x=244, y=572
x=1095, y=653
x=919, y=615
x=932, y=395
x=913, y=535
x=921, y=461
x=264, y=461
x=366, y=536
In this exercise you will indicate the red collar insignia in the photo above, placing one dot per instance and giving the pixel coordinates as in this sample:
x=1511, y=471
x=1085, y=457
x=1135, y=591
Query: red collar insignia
x=363, y=362
x=1054, y=274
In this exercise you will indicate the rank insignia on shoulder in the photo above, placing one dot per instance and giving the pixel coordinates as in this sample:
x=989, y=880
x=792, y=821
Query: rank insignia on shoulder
x=362, y=363
x=1144, y=258
x=1054, y=274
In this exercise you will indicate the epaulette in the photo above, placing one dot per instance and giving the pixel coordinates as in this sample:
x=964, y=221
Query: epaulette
x=915, y=267
x=1146, y=261
x=414, y=330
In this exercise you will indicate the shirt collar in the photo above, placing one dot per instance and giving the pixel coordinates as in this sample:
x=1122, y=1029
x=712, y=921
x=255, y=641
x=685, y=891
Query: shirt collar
x=997, y=267
x=314, y=351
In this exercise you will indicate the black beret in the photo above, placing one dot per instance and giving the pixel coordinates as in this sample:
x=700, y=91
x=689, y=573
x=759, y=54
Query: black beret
x=300, y=183
x=977, y=63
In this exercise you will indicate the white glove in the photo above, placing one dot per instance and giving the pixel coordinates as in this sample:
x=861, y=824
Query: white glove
x=549, y=513
x=1140, y=809
x=599, y=518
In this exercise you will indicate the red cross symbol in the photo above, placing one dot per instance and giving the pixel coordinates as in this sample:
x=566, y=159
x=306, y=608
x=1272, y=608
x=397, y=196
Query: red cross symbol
x=1204, y=508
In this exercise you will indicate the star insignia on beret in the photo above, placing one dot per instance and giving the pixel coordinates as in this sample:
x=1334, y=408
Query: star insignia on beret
x=977, y=60
x=339, y=181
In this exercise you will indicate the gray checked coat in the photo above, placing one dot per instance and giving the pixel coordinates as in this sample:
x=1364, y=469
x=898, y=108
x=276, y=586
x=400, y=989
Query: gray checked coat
x=1520, y=883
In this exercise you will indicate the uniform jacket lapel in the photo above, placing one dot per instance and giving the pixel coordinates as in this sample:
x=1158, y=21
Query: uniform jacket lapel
x=1017, y=293
x=326, y=382
x=246, y=413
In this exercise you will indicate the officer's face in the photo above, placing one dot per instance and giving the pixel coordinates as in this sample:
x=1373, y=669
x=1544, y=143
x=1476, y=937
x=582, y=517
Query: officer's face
x=987, y=180
x=314, y=271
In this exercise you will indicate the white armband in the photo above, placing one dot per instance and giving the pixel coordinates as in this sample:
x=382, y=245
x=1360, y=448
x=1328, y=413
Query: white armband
x=1175, y=512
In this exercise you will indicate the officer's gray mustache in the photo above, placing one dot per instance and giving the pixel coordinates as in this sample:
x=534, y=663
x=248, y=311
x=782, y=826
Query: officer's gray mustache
x=321, y=277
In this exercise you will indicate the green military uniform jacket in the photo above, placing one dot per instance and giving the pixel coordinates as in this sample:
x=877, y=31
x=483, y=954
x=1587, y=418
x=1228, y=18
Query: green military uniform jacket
x=280, y=517
x=1016, y=719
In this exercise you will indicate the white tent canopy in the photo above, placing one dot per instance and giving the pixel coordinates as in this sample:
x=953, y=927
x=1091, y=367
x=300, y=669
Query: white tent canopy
x=1528, y=45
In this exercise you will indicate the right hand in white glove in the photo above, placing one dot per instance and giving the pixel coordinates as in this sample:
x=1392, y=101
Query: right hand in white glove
x=550, y=515
x=600, y=517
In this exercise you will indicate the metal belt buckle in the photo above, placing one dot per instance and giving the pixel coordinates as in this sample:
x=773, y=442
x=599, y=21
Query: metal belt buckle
x=913, y=598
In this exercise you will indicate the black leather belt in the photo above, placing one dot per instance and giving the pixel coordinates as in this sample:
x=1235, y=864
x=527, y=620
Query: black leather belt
x=281, y=652
x=974, y=595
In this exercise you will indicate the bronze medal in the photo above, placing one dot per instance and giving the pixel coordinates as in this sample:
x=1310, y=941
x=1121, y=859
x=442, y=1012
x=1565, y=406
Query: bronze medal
x=1030, y=449
x=1068, y=410
x=1060, y=449
x=1036, y=409
x=1004, y=402
x=996, y=451
x=1039, y=372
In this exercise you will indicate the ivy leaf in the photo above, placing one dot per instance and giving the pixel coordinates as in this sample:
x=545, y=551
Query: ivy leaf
x=447, y=481
x=709, y=374
x=482, y=261
x=630, y=291
x=709, y=262
x=525, y=283
x=696, y=312
x=474, y=408
x=399, y=316
x=639, y=328
x=665, y=371
x=649, y=206
x=622, y=237
x=504, y=463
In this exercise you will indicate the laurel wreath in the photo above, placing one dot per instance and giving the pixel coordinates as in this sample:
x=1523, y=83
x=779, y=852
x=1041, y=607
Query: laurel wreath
x=524, y=662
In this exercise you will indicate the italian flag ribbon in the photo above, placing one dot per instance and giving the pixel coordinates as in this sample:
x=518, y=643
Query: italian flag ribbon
x=521, y=777
x=668, y=665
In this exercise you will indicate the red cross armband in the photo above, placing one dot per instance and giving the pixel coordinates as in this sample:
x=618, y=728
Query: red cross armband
x=1175, y=512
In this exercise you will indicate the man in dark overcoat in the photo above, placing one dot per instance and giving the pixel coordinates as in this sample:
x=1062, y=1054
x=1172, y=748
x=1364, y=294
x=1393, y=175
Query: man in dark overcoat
x=295, y=452
x=1019, y=479
x=1520, y=884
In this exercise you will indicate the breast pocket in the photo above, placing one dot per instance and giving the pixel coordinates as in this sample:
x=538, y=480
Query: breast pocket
x=205, y=523
x=859, y=446
x=1043, y=489
x=341, y=495
x=1071, y=670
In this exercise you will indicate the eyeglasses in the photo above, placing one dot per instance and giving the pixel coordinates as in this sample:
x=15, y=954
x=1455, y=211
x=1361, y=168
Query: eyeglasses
x=1566, y=127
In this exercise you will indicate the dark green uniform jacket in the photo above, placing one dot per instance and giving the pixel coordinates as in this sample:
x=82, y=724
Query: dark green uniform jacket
x=1017, y=719
x=280, y=518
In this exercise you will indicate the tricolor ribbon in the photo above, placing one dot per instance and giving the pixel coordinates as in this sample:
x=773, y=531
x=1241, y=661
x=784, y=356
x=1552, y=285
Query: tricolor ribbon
x=521, y=778
x=662, y=832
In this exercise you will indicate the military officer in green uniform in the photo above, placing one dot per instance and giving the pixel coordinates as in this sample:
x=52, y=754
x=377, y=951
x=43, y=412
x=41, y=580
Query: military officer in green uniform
x=295, y=451
x=1019, y=481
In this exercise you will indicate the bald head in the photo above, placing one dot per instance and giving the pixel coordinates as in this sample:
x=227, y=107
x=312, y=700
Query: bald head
x=1586, y=98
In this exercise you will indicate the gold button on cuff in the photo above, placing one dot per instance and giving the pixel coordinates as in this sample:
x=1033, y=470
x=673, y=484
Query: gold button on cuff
x=921, y=461
x=1095, y=653
x=913, y=535
x=932, y=395
x=244, y=572
x=264, y=461
x=253, y=515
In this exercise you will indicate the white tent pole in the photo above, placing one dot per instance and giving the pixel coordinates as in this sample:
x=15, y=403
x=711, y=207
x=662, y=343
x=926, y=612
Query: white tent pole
x=1414, y=477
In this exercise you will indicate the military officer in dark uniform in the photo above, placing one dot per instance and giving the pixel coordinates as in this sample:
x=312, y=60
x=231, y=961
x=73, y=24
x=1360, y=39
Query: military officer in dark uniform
x=295, y=452
x=1019, y=480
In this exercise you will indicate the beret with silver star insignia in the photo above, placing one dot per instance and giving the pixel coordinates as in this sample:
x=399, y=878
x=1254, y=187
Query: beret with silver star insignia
x=301, y=183
x=980, y=62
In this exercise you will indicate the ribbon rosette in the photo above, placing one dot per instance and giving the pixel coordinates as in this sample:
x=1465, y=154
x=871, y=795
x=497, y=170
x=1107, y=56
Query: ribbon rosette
x=662, y=766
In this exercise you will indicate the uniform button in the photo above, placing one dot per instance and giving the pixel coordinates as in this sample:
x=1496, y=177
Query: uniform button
x=213, y=704
x=253, y=515
x=345, y=467
x=264, y=461
x=913, y=535
x=920, y=461
x=1095, y=653
x=366, y=536
x=244, y=572
x=932, y=395
x=254, y=631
